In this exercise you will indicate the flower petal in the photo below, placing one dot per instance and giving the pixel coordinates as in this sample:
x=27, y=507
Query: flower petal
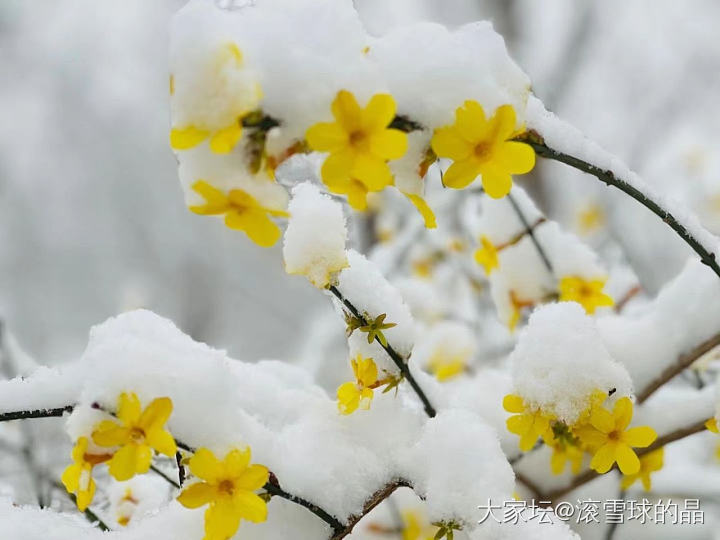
x=108, y=433
x=471, y=122
x=224, y=140
x=448, y=143
x=389, y=144
x=326, y=137
x=348, y=397
x=502, y=123
x=627, y=460
x=252, y=478
x=129, y=460
x=250, y=506
x=372, y=171
x=519, y=424
x=513, y=403
x=622, y=413
x=156, y=414
x=197, y=495
x=461, y=173
x=216, y=201
x=85, y=496
x=205, y=465
x=221, y=520
x=425, y=211
x=515, y=157
x=236, y=461
x=128, y=408
x=602, y=420
x=186, y=138
x=71, y=477
x=346, y=111
x=604, y=458
x=256, y=224
x=337, y=167
x=496, y=184
x=162, y=441
x=378, y=113
x=639, y=437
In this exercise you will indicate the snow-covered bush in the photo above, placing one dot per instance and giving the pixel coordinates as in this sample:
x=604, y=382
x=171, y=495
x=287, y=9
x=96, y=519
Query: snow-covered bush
x=485, y=346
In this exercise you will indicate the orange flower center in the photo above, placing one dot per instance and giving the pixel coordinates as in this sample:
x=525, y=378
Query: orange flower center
x=137, y=435
x=358, y=139
x=482, y=150
x=614, y=435
x=226, y=487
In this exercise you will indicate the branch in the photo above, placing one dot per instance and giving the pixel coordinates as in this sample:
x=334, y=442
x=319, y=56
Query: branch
x=590, y=474
x=683, y=362
x=39, y=413
x=537, y=143
x=91, y=516
x=372, y=502
x=392, y=353
x=529, y=229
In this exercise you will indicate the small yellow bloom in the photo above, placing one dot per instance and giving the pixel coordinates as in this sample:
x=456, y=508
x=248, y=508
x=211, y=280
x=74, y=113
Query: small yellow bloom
x=563, y=453
x=228, y=486
x=352, y=395
x=360, y=145
x=588, y=293
x=126, y=507
x=415, y=527
x=614, y=442
x=529, y=424
x=712, y=425
x=649, y=463
x=77, y=477
x=137, y=434
x=480, y=146
x=242, y=212
x=590, y=218
x=487, y=255
x=446, y=367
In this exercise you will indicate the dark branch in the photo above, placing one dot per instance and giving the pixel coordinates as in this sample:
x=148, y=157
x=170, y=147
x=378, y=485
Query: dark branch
x=274, y=489
x=392, y=353
x=39, y=413
x=165, y=477
x=529, y=230
x=536, y=141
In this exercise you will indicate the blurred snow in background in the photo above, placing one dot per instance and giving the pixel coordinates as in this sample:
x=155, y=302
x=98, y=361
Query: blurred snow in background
x=92, y=221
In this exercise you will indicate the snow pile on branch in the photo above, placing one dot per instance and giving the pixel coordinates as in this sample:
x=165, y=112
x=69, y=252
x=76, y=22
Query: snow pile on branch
x=291, y=425
x=315, y=236
x=560, y=361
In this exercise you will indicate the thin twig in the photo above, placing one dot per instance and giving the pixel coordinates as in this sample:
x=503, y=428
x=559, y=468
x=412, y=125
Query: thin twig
x=529, y=230
x=683, y=362
x=91, y=516
x=537, y=143
x=392, y=353
x=165, y=477
x=274, y=489
x=39, y=413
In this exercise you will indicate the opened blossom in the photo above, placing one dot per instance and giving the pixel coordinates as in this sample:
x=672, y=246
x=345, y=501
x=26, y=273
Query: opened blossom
x=136, y=433
x=242, y=212
x=527, y=422
x=228, y=487
x=77, y=477
x=360, y=143
x=358, y=394
x=613, y=442
x=487, y=255
x=481, y=146
x=588, y=293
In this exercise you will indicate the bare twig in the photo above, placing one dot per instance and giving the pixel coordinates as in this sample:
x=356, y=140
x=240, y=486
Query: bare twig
x=529, y=230
x=392, y=353
x=39, y=413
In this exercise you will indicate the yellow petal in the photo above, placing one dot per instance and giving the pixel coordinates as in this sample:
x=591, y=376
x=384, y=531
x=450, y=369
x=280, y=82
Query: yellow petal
x=425, y=211
x=236, y=461
x=639, y=437
x=78, y=451
x=221, y=520
x=71, y=477
x=712, y=425
x=513, y=403
x=346, y=111
x=128, y=408
x=496, y=184
x=252, y=478
x=189, y=137
x=378, y=113
x=389, y=144
x=527, y=441
x=604, y=458
x=448, y=143
x=156, y=414
x=197, y=495
x=129, y=460
x=502, y=123
x=628, y=480
x=250, y=506
x=216, y=200
x=348, y=397
x=602, y=420
x=515, y=157
x=357, y=195
x=224, y=140
x=646, y=482
x=622, y=413
x=108, y=433
x=627, y=460
x=461, y=173
x=372, y=171
x=366, y=397
x=162, y=441
x=326, y=137
x=519, y=424
x=557, y=462
x=470, y=121
x=337, y=167
x=367, y=372
x=205, y=465
x=85, y=496
x=256, y=224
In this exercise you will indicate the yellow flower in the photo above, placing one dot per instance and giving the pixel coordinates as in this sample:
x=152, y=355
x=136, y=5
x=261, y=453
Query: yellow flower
x=137, y=434
x=228, y=486
x=224, y=139
x=446, y=367
x=416, y=528
x=649, y=463
x=487, y=255
x=528, y=423
x=588, y=293
x=126, y=507
x=590, y=218
x=242, y=212
x=712, y=425
x=352, y=395
x=360, y=144
x=77, y=477
x=564, y=452
x=480, y=146
x=614, y=442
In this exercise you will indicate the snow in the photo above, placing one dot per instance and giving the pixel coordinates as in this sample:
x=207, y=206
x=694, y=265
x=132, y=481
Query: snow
x=560, y=360
x=315, y=237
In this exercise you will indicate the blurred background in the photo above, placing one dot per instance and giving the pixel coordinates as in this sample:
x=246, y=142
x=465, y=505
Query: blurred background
x=92, y=220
